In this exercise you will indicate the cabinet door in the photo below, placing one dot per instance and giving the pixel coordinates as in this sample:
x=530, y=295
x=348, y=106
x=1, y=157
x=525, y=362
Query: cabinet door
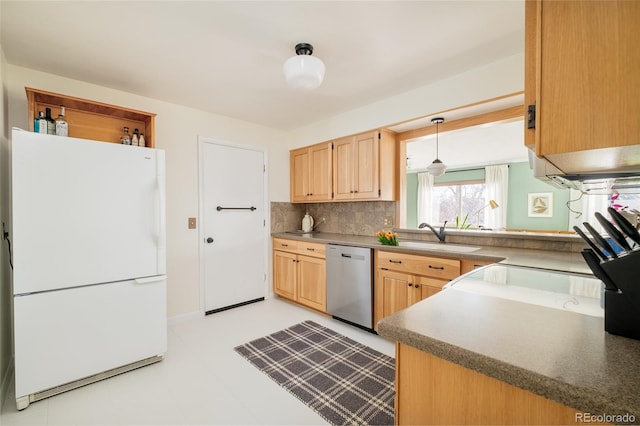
x=312, y=289
x=424, y=287
x=284, y=274
x=366, y=166
x=320, y=178
x=299, y=164
x=343, y=163
x=394, y=291
x=587, y=88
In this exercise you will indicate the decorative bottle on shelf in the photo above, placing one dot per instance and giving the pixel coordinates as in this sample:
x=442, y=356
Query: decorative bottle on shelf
x=51, y=124
x=62, y=127
x=125, y=139
x=141, y=141
x=134, y=138
x=40, y=123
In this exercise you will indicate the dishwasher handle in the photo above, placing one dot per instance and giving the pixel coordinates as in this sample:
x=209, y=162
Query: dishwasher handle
x=345, y=255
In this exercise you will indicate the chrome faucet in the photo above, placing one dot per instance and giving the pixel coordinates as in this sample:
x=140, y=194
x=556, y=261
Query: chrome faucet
x=440, y=234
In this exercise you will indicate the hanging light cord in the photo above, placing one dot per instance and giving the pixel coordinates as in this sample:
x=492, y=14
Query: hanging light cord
x=437, y=142
x=578, y=214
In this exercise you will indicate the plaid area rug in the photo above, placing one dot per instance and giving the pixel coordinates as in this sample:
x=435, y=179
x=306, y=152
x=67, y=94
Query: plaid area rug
x=343, y=381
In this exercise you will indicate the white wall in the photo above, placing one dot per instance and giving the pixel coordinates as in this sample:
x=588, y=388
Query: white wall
x=479, y=84
x=177, y=131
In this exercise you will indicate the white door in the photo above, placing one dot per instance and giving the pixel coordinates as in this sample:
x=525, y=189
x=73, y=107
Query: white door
x=233, y=226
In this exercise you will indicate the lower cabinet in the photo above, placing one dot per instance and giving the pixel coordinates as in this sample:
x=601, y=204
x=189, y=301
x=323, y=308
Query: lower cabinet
x=404, y=279
x=301, y=277
x=434, y=391
x=399, y=290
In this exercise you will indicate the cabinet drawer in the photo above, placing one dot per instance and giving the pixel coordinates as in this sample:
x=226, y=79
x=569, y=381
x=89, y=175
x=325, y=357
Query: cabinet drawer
x=285, y=245
x=431, y=282
x=419, y=265
x=312, y=249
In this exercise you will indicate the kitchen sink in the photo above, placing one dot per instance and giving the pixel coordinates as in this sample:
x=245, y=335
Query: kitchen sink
x=456, y=248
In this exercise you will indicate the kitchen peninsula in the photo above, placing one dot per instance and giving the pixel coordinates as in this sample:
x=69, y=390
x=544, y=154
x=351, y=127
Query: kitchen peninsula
x=518, y=363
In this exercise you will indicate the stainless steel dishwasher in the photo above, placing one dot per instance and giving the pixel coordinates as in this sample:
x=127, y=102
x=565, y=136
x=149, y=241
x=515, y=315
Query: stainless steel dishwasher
x=349, y=285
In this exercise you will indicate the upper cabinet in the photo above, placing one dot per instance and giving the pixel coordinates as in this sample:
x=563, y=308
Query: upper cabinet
x=581, y=75
x=89, y=119
x=360, y=167
x=311, y=173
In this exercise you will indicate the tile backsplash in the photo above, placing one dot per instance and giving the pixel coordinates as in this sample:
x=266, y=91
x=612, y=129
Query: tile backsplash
x=356, y=218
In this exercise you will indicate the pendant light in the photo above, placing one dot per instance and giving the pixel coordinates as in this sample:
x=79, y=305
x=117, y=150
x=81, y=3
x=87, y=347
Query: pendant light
x=304, y=71
x=437, y=168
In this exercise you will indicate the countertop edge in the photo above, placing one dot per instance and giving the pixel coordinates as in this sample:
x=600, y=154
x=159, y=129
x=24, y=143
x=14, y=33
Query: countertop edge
x=545, y=386
x=542, y=259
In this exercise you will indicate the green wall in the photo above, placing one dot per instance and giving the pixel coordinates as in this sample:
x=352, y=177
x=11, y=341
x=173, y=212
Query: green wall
x=521, y=183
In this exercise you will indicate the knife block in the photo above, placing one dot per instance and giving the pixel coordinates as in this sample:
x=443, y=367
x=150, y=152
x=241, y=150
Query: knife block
x=622, y=308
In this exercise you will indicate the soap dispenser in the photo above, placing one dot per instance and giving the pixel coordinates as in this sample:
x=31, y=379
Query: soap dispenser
x=307, y=223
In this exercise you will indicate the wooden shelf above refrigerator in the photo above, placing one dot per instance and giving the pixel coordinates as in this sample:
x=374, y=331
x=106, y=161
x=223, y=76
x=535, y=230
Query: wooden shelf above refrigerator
x=91, y=120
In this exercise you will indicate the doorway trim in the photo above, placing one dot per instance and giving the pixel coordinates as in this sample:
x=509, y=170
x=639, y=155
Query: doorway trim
x=202, y=141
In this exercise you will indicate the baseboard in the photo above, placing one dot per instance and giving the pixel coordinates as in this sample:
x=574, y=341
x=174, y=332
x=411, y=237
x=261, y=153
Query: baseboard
x=6, y=381
x=185, y=317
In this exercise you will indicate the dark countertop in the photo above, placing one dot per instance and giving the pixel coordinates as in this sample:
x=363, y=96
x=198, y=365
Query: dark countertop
x=544, y=259
x=561, y=355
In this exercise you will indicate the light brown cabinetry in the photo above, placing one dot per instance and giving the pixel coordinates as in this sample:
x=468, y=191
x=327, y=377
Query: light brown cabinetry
x=581, y=74
x=361, y=167
x=89, y=119
x=468, y=265
x=404, y=279
x=299, y=272
x=433, y=391
x=364, y=167
x=311, y=173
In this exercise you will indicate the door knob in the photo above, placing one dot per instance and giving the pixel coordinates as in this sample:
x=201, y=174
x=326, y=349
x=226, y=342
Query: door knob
x=209, y=240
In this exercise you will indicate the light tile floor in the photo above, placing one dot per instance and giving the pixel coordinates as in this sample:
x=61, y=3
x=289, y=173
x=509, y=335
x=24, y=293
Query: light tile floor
x=202, y=380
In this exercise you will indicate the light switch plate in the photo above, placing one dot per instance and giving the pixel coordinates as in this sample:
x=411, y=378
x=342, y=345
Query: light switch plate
x=192, y=223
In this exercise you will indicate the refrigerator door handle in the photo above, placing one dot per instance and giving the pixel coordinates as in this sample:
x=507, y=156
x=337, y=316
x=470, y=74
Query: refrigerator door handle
x=147, y=280
x=161, y=234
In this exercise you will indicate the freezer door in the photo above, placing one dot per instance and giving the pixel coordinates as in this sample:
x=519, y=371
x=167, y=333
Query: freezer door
x=84, y=212
x=66, y=335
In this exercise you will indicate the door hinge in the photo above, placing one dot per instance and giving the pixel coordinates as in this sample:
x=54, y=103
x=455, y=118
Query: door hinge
x=331, y=146
x=379, y=137
x=379, y=192
x=264, y=168
x=531, y=117
x=264, y=222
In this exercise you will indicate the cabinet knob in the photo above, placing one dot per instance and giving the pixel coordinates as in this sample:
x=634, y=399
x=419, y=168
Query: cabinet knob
x=410, y=285
x=209, y=240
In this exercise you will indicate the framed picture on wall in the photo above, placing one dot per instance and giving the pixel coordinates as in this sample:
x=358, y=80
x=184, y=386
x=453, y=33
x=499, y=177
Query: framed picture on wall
x=540, y=204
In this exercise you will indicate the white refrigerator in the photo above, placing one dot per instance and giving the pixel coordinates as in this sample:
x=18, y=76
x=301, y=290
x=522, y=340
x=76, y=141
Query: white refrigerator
x=89, y=261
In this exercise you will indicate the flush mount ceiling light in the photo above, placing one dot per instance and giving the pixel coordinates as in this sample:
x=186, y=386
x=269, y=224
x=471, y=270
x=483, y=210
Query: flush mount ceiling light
x=304, y=71
x=437, y=168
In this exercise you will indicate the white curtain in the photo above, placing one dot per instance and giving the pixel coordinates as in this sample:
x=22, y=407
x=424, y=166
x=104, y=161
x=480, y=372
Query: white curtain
x=583, y=207
x=497, y=184
x=425, y=198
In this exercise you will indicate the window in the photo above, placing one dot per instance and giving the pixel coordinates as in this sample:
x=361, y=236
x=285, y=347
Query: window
x=459, y=199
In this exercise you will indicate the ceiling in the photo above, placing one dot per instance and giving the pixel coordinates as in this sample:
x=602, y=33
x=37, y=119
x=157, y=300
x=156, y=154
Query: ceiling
x=495, y=143
x=226, y=57
x=499, y=142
